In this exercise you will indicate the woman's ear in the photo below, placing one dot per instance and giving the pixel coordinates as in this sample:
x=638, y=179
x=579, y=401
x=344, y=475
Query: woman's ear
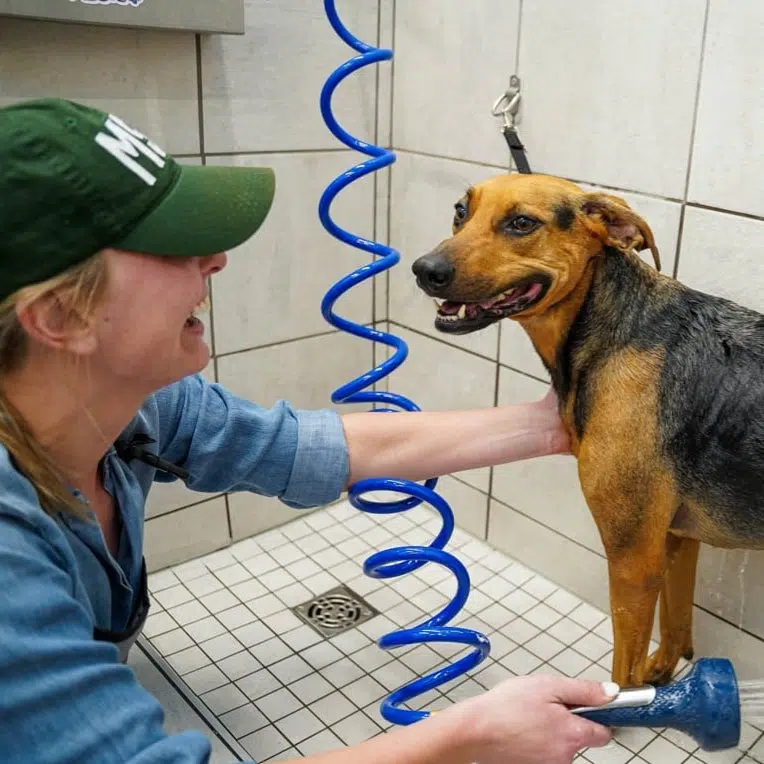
x=617, y=225
x=50, y=323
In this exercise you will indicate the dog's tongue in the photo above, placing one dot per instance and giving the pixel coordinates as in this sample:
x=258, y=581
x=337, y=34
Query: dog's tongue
x=449, y=308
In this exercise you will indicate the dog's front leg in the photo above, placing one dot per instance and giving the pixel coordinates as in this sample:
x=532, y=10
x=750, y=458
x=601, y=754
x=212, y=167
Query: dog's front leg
x=633, y=513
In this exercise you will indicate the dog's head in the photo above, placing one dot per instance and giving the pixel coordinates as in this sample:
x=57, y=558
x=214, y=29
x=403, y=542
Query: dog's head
x=520, y=245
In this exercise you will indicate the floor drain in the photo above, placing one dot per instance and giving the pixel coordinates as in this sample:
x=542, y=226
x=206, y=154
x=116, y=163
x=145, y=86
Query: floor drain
x=335, y=611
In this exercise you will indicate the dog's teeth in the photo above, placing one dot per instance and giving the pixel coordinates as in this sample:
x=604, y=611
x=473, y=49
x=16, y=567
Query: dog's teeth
x=462, y=312
x=437, y=304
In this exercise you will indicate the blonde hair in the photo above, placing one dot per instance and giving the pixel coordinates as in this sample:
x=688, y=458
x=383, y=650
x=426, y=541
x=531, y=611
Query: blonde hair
x=77, y=289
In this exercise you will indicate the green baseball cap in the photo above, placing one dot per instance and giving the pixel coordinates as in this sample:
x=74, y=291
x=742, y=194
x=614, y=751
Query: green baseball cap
x=75, y=180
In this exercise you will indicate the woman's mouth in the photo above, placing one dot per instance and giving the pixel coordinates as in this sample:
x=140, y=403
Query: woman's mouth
x=465, y=317
x=193, y=321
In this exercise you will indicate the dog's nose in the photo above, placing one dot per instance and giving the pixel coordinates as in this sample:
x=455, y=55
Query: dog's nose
x=433, y=272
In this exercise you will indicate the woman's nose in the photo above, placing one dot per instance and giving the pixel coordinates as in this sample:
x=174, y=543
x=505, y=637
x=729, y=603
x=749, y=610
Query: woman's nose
x=213, y=263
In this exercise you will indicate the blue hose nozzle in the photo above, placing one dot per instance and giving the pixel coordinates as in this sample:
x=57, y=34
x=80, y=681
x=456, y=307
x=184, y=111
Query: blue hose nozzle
x=704, y=705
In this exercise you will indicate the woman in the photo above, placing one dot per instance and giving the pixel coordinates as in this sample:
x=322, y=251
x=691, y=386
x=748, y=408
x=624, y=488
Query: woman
x=105, y=249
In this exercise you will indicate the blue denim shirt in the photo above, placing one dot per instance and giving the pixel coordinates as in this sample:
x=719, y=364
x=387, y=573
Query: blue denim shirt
x=64, y=697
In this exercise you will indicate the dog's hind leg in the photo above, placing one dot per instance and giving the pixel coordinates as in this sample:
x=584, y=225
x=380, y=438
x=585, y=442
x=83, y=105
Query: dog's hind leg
x=675, y=609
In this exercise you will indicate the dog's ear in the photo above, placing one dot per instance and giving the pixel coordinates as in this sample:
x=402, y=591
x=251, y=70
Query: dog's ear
x=618, y=225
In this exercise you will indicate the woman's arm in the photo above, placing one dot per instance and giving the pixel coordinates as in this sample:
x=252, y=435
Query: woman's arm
x=415, y=446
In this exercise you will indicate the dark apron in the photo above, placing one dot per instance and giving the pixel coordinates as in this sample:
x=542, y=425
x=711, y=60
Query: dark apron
x=124, y=640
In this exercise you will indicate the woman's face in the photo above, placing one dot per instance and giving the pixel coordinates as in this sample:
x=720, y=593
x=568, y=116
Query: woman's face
x=145, y=331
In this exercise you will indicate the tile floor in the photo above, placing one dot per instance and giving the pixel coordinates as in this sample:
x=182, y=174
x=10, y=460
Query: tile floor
x=274, y=689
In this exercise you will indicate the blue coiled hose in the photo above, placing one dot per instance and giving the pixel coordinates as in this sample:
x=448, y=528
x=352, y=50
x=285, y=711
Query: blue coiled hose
x=391, y=562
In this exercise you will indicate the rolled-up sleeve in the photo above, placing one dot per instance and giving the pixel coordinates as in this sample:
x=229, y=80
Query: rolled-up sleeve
x=228, y=443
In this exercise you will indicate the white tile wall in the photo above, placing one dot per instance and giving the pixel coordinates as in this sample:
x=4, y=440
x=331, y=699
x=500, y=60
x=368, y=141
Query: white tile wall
x=148, y=78
x=609, y=90
x=449, y=71
x=720, y=254
x=727, y=159
x=261, y=90
x=546, y=489
x=438, y=377
x=272, y=288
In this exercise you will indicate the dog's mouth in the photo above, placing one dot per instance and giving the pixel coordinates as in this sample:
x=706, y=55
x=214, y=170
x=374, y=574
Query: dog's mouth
x=465, y=317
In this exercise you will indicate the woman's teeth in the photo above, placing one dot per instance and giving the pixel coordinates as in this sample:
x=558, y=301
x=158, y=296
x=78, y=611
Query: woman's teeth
x=202, y=307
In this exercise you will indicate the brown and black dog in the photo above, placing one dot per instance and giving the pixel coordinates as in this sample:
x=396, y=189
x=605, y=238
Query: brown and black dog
x=661, y=388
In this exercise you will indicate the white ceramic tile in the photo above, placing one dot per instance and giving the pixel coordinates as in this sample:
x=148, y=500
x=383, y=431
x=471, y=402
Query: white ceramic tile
x=544, y=646
x=356, y=728
x=570, y=662
x=236, y=616
x=244, y=720
x=560, y=505
x=332, y=708
x=290, y=669
x=146, y=77
x=265, y=743
x=248, y=590
x=221, y=647
x=300, y=725
x=167, y=497
x=162, y=580
x=719, y=256
x=204, y=584
x=350, y=641
x=321, y=743
x=342, y=673
x=542, y=616
x=727, y=166
x=300, y=638
x=470, y=384
x=581, y=571
x=172, y=641
x=661, y=750
x=188, y=660
x=450, y=67
x=271, y=651
x=258, y=684
x=205, y=679
x=173, y=595
x=189, y=612
x=261, y=89
x=311, y=688
x=159, y=623
x=205, y=527
x=578, y=114
x=520, y=661
x=285, y=269
x=205, y=629
x=282, y=622
x=262, y=563
x=252, y=633
x=424, y=191
x=278, y=704
x=219, y=601
x=238, y=665
x=613, y=753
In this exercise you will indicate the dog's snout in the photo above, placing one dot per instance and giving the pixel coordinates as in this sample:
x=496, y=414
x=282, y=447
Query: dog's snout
x=434, y=272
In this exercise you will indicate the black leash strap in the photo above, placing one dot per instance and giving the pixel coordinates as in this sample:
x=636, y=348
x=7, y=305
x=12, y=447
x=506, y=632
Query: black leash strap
x=516, y=149
x=507, y=106
x=136, y=449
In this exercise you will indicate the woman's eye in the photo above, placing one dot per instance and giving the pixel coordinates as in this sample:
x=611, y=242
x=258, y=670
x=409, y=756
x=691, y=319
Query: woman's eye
x=522, y=224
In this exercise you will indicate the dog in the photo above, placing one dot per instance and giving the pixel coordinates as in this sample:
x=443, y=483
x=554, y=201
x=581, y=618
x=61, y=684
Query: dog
x=660, y=387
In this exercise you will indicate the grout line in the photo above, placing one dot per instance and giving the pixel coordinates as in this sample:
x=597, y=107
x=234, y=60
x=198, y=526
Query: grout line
x=519, y=35
x=200, y=98
x=270, y=152
x=290, y=340
x=693, y=128
x=159, y=662
x=342, y=521
x=390, y=169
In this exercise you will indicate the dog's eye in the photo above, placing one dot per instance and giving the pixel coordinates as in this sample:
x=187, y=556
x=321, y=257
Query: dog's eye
x=522, y=224
x=460, y=213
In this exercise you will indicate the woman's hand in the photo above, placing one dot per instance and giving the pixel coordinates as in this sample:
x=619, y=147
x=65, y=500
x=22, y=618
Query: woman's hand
x=557, y=435
x=526, y=720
